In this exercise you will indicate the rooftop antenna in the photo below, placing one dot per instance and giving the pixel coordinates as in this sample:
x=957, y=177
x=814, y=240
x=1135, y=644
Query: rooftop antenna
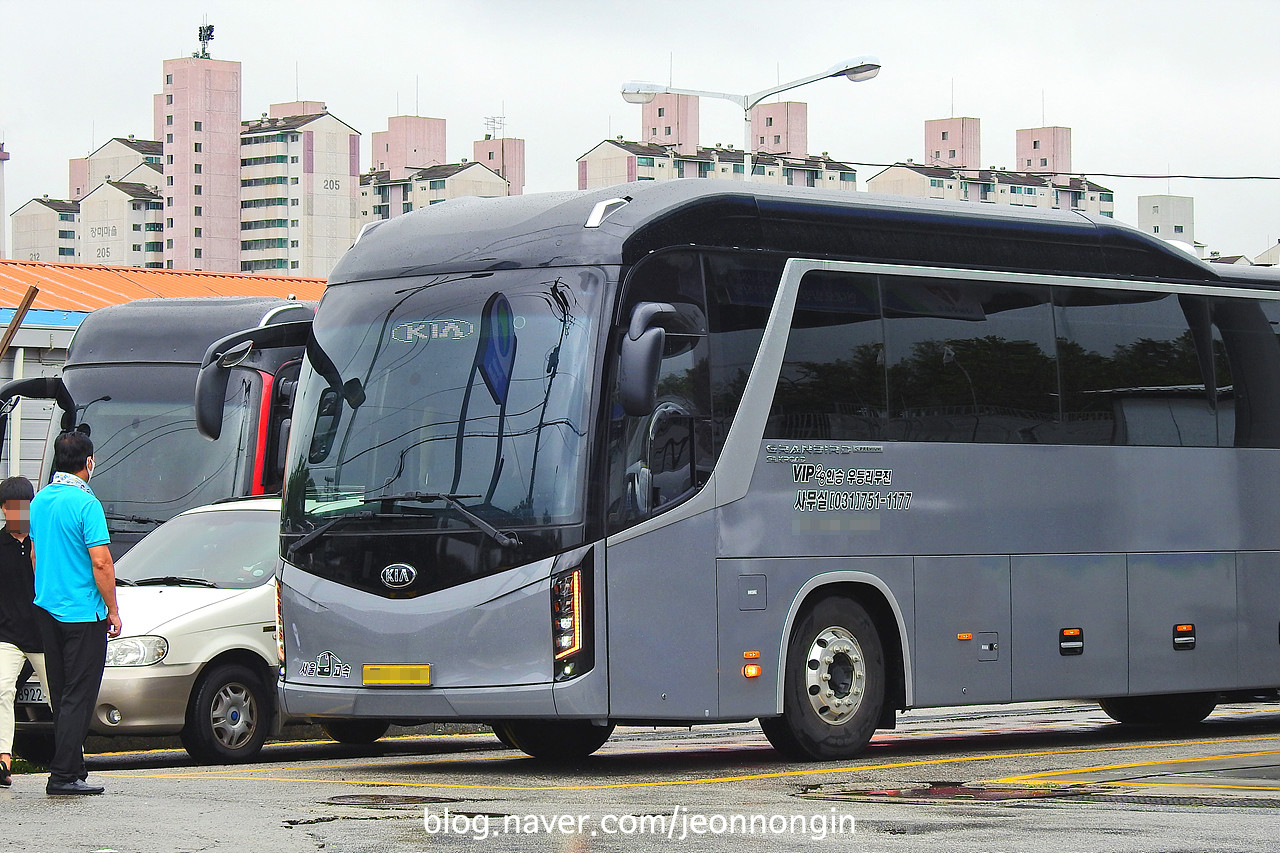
x=953, y=97
x=297, y=91
x=205, y=33
x=497, y=127
x=1043, y=121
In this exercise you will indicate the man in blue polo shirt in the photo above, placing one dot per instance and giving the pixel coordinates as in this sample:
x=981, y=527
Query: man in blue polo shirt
x=75, y=604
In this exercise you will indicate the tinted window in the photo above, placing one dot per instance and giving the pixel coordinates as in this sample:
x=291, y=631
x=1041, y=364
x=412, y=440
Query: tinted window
x=1247, y=365
x=917, y=359
x=968, y=361
x=657, y=459
x=723, y=300
x=741, y=290
x=1131, y=368
x=832, y=384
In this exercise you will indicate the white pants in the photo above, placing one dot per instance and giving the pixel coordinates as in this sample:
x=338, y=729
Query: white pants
x=11, y=660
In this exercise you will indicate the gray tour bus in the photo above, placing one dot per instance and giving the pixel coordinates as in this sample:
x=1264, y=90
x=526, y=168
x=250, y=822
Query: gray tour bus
x=698, y=451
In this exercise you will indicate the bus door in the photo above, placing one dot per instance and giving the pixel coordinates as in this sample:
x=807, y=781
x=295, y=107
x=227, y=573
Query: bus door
x=661, y=568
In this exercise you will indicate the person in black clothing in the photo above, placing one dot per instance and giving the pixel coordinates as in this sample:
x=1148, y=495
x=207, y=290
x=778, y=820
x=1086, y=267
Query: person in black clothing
x=19, y=635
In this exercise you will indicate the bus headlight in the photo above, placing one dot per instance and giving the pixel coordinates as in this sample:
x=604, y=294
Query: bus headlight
x=136, y=651
x=570, y=634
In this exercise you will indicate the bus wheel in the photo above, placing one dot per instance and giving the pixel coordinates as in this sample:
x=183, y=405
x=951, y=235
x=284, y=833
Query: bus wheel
x=555, y=740
x=355, y=731
x=1177, y=709
x=229, y=716
x=834, y=685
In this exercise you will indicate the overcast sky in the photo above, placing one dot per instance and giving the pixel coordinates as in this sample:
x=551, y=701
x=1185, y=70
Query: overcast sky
x=1182, y=87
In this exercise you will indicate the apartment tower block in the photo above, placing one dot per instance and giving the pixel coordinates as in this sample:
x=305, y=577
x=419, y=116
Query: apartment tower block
x=197, y=120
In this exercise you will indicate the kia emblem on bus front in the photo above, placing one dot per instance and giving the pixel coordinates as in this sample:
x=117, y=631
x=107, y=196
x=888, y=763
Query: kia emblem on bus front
x=399, y=576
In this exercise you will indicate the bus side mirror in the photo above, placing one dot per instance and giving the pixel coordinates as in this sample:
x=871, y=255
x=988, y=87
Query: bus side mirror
x=211, y=389
x=641, y=356
x=234, y=349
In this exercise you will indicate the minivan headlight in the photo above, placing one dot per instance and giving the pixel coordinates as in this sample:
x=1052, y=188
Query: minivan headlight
x=136, y=651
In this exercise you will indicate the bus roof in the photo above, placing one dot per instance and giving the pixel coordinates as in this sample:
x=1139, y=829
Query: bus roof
x=175, y=331
x=630, y=220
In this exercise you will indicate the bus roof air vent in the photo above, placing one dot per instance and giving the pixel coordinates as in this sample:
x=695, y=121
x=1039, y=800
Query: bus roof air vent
x=604, y=210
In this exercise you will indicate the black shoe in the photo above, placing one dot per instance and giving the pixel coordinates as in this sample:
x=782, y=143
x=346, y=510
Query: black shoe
x=6, y=780
x=76, y=786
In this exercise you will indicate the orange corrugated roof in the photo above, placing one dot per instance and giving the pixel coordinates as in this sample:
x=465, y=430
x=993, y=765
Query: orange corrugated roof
x=84, y=287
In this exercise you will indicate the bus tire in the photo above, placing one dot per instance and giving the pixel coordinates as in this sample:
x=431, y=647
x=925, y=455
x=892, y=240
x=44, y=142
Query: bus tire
x=1168, y=711
x=229, y=716
x=355, y=731
x=553, y=740
x=834, y=684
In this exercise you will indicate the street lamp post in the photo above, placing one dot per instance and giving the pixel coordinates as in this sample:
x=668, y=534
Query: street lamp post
x=856, y=70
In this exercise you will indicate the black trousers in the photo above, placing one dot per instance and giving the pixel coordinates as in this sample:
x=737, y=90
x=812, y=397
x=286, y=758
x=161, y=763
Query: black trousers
x=75, y=654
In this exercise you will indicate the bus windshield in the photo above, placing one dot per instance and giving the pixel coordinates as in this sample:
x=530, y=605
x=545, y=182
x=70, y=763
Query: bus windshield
x=445, y=399
x=149, y=461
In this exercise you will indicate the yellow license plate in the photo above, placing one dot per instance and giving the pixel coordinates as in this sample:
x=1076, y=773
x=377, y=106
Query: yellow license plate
x=397, y=674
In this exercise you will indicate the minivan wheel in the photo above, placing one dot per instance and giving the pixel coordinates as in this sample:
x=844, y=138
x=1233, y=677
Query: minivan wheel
x=228, y=718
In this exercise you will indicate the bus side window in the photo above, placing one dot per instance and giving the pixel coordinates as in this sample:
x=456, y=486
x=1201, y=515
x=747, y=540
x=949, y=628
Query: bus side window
x=969, y=361
x=283, y=393
x=328, y=414
x=1131, y=371
x=1247, y=364
x=654, y=459
x=832, y=384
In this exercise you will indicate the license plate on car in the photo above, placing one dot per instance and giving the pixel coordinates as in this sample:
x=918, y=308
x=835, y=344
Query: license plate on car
x=31, y=693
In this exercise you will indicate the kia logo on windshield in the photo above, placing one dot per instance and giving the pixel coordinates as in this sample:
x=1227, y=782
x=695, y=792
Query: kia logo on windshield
x=440, y=329
x=399, y=575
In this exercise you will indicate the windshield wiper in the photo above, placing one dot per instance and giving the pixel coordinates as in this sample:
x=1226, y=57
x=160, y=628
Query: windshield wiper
x=506, y=540
x=172, y=580
x=301, y=543
x=136, y=519
x=124, y=581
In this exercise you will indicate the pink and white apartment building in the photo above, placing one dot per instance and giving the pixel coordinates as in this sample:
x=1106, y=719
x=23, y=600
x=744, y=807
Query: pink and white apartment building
x=952, y=170
x=299, y=172
x=211, y=192
x=46, y=229
x=669, y=148
x=197, y=120
x=410, y=169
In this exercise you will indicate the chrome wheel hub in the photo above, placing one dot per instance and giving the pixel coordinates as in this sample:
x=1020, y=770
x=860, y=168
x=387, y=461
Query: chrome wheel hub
x=835, y=675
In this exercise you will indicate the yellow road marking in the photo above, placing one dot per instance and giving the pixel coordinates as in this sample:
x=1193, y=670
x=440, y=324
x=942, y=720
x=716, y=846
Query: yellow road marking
x=783, y=774
x=316, y=741
x=1040, y=778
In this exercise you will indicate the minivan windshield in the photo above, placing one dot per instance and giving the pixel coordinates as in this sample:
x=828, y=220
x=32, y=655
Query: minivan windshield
x=228, y=548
